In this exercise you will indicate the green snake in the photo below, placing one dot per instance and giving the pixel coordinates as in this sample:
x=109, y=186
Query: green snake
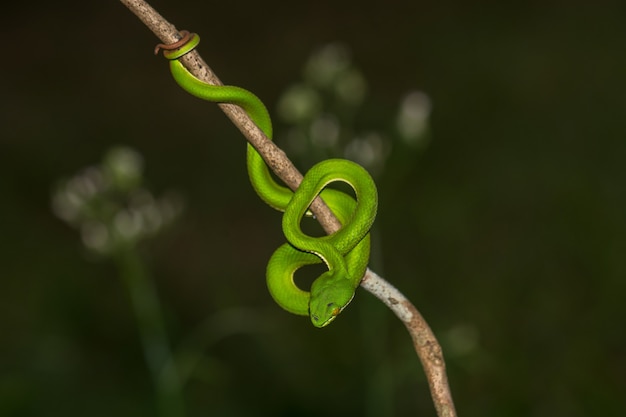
x=345, y=252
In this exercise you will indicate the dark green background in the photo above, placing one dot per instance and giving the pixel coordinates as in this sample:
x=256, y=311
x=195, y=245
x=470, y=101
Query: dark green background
x=512, y=223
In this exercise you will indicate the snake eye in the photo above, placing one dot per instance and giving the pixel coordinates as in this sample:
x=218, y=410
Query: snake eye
x=330, y=305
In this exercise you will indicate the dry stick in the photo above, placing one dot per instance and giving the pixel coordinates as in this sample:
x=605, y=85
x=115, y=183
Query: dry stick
x=426, y=345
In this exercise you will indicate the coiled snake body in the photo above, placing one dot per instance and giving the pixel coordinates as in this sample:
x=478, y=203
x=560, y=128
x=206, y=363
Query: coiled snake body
x=345, y=252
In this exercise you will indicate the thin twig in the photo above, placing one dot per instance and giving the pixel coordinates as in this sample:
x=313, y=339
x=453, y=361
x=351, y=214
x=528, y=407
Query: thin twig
x=425, y=342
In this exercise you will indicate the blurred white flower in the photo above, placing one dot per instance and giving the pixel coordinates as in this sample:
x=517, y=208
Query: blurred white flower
x=324, y=66
x=123, y=167
x=323, y=112
x=324, y=131
x=412, y=121
x=368, y=150
x=351, y=87
x=96, y=237
x=299, y=104
x=110, y=207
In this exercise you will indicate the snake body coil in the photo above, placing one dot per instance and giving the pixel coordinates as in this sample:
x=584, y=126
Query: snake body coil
x=345, y=252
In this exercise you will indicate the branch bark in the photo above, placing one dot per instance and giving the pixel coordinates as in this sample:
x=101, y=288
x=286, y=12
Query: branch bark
x=425, y=343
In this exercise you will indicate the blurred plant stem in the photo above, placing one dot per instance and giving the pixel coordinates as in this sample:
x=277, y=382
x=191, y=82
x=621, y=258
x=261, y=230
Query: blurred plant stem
x=147, y=309
x=115, y=213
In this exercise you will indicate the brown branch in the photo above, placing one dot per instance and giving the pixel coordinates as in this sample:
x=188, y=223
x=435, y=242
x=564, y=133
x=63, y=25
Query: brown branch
x=424, y=341
x=272, y=154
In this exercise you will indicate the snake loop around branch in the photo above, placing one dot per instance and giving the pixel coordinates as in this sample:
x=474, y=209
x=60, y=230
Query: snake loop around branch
x=345, y=252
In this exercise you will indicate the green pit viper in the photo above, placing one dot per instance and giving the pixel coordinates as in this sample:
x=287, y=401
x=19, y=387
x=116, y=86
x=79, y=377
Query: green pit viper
x=345, y=252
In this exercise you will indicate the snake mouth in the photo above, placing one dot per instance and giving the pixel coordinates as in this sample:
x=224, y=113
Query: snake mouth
x=315, y=319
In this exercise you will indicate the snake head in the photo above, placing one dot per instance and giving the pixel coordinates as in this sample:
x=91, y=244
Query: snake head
x=330, y=294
